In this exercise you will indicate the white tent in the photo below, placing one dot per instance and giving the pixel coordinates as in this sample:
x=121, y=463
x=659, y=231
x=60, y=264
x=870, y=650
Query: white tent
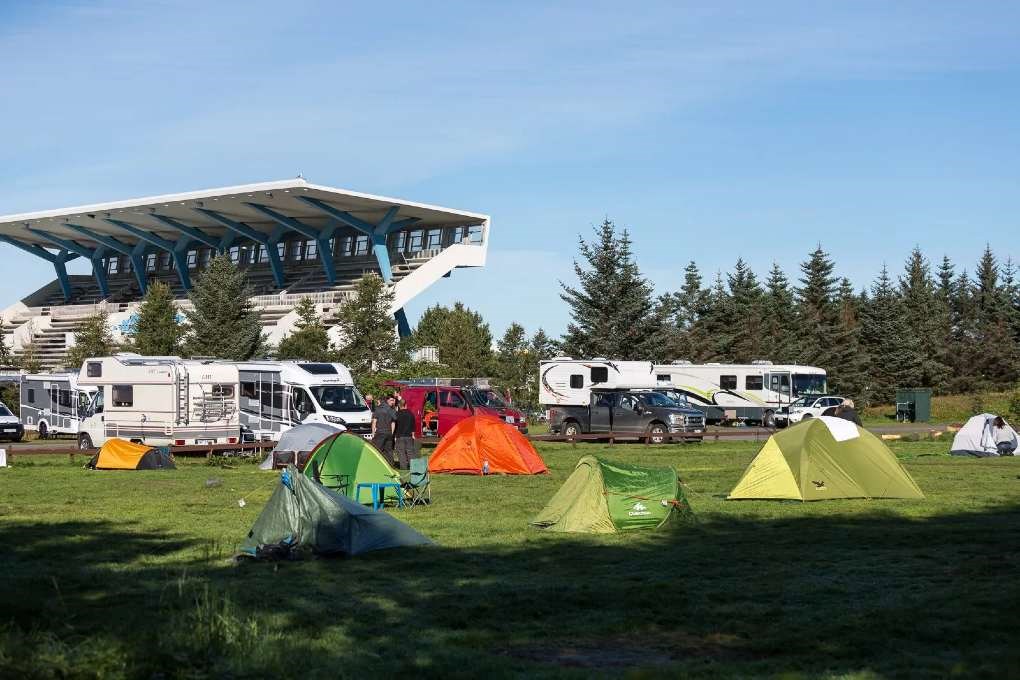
x=979, y=437
x=298, y=440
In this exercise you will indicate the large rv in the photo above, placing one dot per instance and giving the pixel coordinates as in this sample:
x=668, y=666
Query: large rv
x=762, y=382
x=159, y=401
x=277, y=395
x=749, y=393
x=52, y=403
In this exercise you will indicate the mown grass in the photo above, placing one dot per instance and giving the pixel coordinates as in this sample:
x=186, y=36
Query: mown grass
x=950, y=408
x=118, y=574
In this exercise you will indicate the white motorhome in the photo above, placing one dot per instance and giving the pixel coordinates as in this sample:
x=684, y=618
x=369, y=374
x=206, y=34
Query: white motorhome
x=760, y=382
x=277, y=395
x=159, y=401
x=52, y=403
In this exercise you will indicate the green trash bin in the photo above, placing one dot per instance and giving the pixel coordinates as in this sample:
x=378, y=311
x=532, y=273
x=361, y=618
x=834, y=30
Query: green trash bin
x=913, y=404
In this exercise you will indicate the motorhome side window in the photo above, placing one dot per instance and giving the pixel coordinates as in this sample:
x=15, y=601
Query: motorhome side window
x=576, y=382
x=31, y=395
x=754, y=382
x=123, y=395
x=728, y=382
x=225, y=391
x=94, y=369
x=599, y=374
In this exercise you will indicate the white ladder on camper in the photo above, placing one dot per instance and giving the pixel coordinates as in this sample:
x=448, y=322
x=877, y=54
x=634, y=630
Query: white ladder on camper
x=183, y=390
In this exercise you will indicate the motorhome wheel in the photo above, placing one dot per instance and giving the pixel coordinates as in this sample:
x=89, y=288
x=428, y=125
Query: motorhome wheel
x=84, y=442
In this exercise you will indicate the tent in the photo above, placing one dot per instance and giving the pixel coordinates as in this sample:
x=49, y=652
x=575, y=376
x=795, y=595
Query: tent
x=823, y=458
x=601, y=497
x=352, y=456
x=297, y=443
x=978, y=437
x=484, y=443
x=302, y=516
x=117, y=454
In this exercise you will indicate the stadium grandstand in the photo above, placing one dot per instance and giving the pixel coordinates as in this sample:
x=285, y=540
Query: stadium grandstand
x=294, y=239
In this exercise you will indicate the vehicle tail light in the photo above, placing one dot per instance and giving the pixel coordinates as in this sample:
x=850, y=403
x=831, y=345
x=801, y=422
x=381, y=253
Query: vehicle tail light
x=231, y=440
x=178, y=442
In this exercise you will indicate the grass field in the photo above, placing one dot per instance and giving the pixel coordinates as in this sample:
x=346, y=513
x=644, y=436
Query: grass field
x=126, y=574
x=950, y=408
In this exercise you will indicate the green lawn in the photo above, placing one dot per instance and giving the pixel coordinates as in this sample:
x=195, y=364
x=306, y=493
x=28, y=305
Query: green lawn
x=112, y=574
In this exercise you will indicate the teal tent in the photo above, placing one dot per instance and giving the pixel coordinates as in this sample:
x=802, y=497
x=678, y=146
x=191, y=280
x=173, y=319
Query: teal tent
x=302, y=516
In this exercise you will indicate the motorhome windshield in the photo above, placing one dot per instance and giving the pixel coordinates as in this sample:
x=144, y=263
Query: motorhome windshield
x=808, y=384
x=658, y=400
x=4, y=411
x=338, y=398
x=486, y=398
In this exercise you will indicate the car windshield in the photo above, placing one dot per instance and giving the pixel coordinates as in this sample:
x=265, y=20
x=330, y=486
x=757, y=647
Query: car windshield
x=657, y=399
x=4, y=411
x=804, y=384
x=486, y=398
x=339, y=398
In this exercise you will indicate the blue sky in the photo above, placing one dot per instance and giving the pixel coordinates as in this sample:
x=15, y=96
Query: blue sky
x=710, y=130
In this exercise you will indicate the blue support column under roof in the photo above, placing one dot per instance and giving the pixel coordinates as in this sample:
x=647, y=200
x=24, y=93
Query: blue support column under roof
x=378, y=233
x=59, y=261
x=177, y=250
x=134, y=253
x=269, y=241
x=321, y=237
x=95, y=256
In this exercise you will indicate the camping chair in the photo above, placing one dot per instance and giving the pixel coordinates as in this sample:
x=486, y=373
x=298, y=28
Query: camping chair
x=418, y=486
x=338, y=483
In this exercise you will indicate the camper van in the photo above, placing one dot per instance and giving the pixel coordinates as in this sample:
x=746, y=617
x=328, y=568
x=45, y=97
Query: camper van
x=277, y=395
x=760, y=383
x=159, y=401
x=52, y=403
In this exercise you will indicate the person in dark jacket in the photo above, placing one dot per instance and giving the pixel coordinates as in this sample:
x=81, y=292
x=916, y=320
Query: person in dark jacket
x=403, y=436
x=382, y=428
x=846, y=411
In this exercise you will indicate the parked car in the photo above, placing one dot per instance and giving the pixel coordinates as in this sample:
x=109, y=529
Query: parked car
x=632, y=411
x=440, y=403
x=11, y=428
x=810, y=406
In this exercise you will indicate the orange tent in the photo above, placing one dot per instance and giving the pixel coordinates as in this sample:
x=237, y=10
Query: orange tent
x=484, y=439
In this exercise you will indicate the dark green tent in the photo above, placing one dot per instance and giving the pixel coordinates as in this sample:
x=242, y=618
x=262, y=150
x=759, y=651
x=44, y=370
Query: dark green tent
x=352, y=458
x=303, y=516
x=604, y=497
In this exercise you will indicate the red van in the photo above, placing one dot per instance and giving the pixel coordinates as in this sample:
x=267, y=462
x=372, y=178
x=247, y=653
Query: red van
x=440, y=403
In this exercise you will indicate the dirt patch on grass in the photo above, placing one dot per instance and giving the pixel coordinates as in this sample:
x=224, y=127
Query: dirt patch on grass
x=638, y=649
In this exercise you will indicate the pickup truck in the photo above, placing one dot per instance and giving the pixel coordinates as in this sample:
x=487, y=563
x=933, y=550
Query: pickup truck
x=627, y=411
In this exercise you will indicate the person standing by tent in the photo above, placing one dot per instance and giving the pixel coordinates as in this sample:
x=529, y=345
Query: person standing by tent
x=403, y=436
x=846, y=411
x=382, y=428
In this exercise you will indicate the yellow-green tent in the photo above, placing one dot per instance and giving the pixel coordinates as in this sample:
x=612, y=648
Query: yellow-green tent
x=824, y=458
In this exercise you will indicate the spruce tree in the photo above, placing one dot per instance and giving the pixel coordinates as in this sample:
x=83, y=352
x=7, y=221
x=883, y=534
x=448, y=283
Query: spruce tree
x=816, y=310
x=926, y=316
x=779, y=327
x=849, y=373
x=6, y=353
x=368, y=331
x=309, y=340
x=716, y=324
x=223, y=323
x=746, y=312
x=895, y=355
x=611, y=308
x=93, y=338
x=543, y=347
x=157, y=331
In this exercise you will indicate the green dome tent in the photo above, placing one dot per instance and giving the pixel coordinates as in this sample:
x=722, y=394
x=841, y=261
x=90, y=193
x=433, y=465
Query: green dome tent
x=353, y=457
x=825, y=458
x=302, y=516
x=601, y=497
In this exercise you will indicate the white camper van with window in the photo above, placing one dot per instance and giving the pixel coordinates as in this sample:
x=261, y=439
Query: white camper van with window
x=161, y=401
x=277, y=395
x=52, y=403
